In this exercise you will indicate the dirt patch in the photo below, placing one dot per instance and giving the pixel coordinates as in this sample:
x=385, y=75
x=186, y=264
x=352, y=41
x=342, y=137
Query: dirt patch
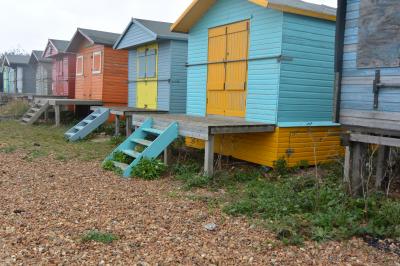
x=48, y=205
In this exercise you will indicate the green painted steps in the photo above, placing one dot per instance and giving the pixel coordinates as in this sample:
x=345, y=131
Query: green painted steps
x=88, y=124
x=151, y=148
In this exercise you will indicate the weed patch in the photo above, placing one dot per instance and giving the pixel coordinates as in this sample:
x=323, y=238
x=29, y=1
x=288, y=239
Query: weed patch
x=297, y=208
x=149, y=169
x=96, y=236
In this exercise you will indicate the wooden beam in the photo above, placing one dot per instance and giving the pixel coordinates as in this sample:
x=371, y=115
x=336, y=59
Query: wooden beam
x=385, y=141
x=381, y=162
x=209, y=156
x=128, y=125
x=57, y=111
x=117, y=125
x=167, y=156
x=347, y=165
x=358, y=152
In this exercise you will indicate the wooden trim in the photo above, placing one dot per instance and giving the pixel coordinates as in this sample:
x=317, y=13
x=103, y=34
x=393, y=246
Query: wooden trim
x=80, y=57
x=97, y=53
x=378, y=140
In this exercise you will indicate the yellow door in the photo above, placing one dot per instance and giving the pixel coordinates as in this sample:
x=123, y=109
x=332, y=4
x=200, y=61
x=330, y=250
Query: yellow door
x=227, y=69
x=147, y=75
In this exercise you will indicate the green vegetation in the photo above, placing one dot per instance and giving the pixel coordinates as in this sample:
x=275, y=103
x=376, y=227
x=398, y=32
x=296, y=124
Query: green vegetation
x=14, y=109
x=96, y=236
x=149, y=169
x=46, y=140
x=295, y=207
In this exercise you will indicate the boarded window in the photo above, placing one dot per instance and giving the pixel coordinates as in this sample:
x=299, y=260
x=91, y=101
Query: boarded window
x=96, y=67
x=151, y=63
x=379, y=34
x=142, y=64
x=79, y=65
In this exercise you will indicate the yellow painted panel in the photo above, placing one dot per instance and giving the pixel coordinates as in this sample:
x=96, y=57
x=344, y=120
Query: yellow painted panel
x=320, y=144
x=226, y=81
x=147, y=88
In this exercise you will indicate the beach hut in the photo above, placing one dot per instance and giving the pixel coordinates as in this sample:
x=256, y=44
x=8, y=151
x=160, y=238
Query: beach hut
x=42, y=71
x=101, y=72
x=368, y=74
x=262, y=61
x=18, y=75
x=157, y=65
x=63, y=68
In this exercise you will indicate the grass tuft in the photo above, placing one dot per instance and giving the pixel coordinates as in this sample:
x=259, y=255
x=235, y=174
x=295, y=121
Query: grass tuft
x=96, y=236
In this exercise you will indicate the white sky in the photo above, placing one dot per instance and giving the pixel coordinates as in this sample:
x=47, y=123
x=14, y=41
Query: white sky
x=27, y=24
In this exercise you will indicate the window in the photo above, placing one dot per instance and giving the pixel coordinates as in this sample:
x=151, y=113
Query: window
x=142, y=64
x=151, y=63
x=96, y=65
x=147, y=63
x=79, y=65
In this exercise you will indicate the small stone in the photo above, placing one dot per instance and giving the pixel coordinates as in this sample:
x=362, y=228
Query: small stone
x=210, y=227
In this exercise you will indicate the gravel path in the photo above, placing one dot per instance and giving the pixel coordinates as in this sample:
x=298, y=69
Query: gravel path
x=47, y=205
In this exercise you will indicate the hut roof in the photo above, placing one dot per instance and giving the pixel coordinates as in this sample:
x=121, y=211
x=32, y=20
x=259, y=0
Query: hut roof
x=93, y=36
x=199, y=7
x=60, y=45
x=159, y=30
x=10, y=59
x=37, y=56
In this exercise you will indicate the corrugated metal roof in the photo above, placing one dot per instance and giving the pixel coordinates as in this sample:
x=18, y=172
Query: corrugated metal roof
x=100, y=37
x=60, y=45
x=162, y=29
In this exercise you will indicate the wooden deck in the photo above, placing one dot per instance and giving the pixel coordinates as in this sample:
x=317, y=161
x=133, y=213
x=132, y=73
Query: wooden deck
x=57, y=102
x=203, y=127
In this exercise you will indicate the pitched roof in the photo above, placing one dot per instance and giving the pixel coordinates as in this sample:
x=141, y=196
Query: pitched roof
x=16, y=59
x=38, y=57
x=199, y=7
x=93, y=36
x=162, y=29
x=159, y=29
x=60, y=45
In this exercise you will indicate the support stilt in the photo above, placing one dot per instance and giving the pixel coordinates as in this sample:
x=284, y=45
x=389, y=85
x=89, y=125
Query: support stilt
x=117, y=125
x=128, y=122
x=57, y=110
x=383, y=154
x=209, y=156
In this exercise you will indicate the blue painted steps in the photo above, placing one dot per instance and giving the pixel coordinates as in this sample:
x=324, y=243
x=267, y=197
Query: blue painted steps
x=161, y=139
x=88, y=125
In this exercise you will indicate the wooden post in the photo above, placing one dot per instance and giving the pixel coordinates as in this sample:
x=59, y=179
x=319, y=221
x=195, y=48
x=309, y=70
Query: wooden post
x=347, y=165
x=383, y=154
x=359, y=150
x=167, y=156
x=128, y=122
x=57, y=114
x=116, y=125
x=209, y=156
x=46, y=115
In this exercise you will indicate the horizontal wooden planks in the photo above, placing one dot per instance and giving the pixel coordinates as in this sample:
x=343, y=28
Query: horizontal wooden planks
x=357, y=84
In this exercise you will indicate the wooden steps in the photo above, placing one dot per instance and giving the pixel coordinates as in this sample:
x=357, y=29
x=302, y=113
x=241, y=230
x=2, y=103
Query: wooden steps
x=151, y=148
x=88, y=124
x=35, y=112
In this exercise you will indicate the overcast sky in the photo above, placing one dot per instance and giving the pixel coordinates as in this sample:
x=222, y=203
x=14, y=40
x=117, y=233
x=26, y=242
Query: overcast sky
x=27, y=24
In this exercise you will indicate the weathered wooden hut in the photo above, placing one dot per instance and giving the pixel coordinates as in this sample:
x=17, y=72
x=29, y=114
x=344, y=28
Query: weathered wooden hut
x=63, y=68
x=157, y=65
x=101, y=71
x=42, y=71
x=368, y=74
x=264, y=61
x=18, y=74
